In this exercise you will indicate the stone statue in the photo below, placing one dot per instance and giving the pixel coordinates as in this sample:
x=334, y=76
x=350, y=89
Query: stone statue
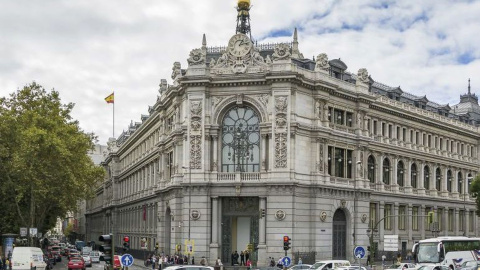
x=363, y=75
x=322, y=62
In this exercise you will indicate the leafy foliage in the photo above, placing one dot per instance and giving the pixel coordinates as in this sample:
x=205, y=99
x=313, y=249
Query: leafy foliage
x=475, y=191
x=44, y=164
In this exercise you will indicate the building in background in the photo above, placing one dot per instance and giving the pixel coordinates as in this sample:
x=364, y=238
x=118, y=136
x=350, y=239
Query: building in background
x=254, y=142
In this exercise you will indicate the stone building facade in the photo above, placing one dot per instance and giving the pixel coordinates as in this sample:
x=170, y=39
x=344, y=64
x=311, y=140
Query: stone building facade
x=253, y=142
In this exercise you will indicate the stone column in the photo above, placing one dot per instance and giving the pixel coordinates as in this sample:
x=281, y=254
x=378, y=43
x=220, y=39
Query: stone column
x=395, y=219
x=206, y=157
x=214, y=246
x=409, y=221
x=420, y=178
x=215, y=153
x=456, y=230
x=262, y=245
x=379, y=172
x=467, y=223
x=407, y=174
x=393, y=173
x=422, y=221
x=264, y=152
x=443, y=184
x=381, y=226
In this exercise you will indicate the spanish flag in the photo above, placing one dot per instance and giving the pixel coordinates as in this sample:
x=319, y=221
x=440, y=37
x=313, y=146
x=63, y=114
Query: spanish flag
x=110, y=98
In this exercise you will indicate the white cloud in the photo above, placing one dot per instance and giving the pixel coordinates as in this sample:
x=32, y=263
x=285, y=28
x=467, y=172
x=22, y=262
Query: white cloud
x=86, y=49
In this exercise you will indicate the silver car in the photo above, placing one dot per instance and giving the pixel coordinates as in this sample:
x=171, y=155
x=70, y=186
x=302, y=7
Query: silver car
x=95, y=256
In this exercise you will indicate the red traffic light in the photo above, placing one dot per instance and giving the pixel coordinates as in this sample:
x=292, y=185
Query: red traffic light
x=286, y=239
x=126, y=239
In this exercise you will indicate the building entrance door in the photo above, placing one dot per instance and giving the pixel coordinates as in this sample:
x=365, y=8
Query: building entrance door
x=339, y=237
x=239, y=226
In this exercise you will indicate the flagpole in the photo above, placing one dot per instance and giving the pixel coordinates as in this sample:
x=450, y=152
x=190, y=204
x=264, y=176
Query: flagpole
x=113, y=131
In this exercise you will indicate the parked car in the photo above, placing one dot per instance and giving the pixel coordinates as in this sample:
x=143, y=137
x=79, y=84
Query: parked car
x=469, y=265
x=402, y=266
x=330, y=264
x=188, y=267
x=87, y=260
x=76, y=263
x=433, y=267
x=300, y=266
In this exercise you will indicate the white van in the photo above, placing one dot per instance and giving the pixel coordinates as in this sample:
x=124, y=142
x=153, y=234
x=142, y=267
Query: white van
x=330, y=264
x=28, y=258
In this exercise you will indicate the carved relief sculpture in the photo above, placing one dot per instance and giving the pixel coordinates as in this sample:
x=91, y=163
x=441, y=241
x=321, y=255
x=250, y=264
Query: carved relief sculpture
x=281, y=131
x=197, y=57
x=196, y=134
x=281, y=52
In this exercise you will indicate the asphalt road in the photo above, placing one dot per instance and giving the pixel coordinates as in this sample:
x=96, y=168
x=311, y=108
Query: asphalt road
x=137, y=265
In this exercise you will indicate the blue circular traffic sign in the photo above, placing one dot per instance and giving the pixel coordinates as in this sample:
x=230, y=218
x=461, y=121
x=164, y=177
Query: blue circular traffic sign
x=359, y=252
x=126, y=260
x=286, y=261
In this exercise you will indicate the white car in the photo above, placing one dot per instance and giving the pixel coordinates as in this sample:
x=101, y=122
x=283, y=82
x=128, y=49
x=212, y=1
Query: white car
x=402, y=266
x=189, y=267
x=87, y=260
x=95, y=256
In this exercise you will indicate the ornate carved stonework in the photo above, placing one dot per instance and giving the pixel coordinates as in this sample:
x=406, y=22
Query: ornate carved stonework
x=241, y=57
x=363, y=75
x=280, y=215
x=263, y=99
x=196, y=134
x=281, y=131
x=322, y=62
x=281, y=150
x=321, y=157
x=281, y=52
x=176, y=70
x=197, y=57
x=216, y=101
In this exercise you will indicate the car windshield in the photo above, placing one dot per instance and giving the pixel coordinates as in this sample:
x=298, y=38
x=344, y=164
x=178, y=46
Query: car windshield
x=427, y=253
x=317, y=265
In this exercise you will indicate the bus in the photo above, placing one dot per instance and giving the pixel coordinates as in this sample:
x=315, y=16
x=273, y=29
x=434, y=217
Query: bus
x=446, y=251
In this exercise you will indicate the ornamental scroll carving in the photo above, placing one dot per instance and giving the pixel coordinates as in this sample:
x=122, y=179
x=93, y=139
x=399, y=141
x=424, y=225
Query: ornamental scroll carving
x=281, y=131
x=196, y=134
x=197, y=57
x=281, y=52
x=363, y=75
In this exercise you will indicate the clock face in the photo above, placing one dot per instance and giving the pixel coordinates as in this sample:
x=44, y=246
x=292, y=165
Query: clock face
x=239, y=45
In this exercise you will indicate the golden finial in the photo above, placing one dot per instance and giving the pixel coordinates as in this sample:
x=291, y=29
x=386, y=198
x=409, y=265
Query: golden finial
x=243, y=3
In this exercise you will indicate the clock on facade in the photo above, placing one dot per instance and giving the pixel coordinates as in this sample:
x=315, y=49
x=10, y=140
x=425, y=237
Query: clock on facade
x=239, y=45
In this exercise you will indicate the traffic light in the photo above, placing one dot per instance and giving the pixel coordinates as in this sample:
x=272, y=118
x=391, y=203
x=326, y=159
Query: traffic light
x=431, y=217
x=262, y=213
x=106, y=248
x=157, y=246
x=286, y=243
x=126, y=243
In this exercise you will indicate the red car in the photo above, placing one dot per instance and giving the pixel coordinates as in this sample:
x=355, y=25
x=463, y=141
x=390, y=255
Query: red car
x=116, y=263
x=76, y=263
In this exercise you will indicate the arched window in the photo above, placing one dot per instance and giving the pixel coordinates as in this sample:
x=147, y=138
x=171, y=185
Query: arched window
x=400, y=173
x=449, y=181
x=386, y=171
x=413, y=175
x=460, y=183
x=426, y=178
x=438, y=179
x=241, y=140
x=371, y=169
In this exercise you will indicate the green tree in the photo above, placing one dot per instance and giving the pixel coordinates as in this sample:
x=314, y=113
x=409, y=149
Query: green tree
x=475, y=192
x=44, y=164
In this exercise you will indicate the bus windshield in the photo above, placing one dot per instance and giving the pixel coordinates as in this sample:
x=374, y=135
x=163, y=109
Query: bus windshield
x=427, y=253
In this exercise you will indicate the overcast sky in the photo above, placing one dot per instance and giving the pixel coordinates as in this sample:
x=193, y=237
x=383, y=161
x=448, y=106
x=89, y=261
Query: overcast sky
x=87, y=49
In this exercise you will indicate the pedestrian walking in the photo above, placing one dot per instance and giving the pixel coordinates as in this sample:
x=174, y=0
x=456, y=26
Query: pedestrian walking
x=242, y=258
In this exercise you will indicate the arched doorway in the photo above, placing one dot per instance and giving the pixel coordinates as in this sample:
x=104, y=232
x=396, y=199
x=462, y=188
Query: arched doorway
x=339, y=236
x=168, y=231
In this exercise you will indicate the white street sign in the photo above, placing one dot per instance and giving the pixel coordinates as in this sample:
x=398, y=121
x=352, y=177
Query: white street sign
x=33, y=232
x=390, y=242
x=23, y=232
